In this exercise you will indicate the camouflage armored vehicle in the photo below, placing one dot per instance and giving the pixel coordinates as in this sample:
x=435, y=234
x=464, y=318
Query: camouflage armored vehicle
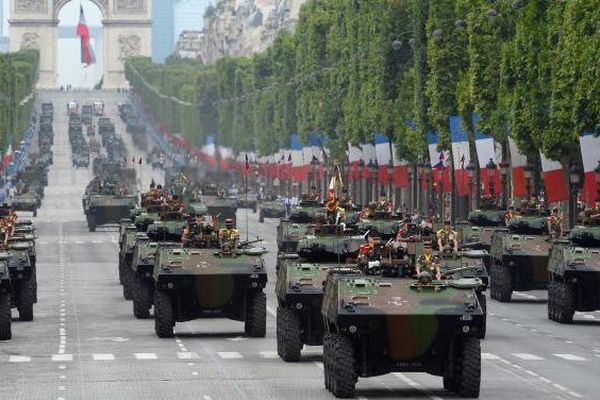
x=126, y=252
x=87, y=113
x=519, y=258
x=101, y=209
x=375, y=325
x=574, y=269
x=168, y=228
x=204, y=283
x=217, y=205
x=381, y=223
x=127, y=235
x=328, y=243
x=469, y=264
x=27, y=201
x=299, y=291
x=289, y=234
x=271, y=209
x=22, y=276
x=477, y=234
x=248, y=200
x=5, y=298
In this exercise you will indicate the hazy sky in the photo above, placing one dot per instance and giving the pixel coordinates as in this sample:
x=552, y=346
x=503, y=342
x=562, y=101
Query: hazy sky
x=69, y=15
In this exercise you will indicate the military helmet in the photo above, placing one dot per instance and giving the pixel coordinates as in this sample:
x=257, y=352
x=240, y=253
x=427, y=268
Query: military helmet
x=229, y=223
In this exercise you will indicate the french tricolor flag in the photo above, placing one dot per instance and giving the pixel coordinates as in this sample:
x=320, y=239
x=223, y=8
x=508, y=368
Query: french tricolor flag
x=369, y=154
x=439, y=162
x=518, y=161
x=384, y=156
x=209, y=150
x=487, y=149
x=355, y=154
x=461, y=154
x=590, y=152
x=298, y=161
x=400, y=175
x=87, y=52
x=554, y=180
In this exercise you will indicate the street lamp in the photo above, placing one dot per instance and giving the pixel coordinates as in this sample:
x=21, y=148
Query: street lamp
x=361, y=167
x=390, y=190
x=427, y=176
x=575, y=180
x=528, y=173
x=471, y=168
x=419, y=179
x=597, y=176
x=491, y=170
x=441, y=198
x=504, y=166
x=315, y=164
x=372, y=167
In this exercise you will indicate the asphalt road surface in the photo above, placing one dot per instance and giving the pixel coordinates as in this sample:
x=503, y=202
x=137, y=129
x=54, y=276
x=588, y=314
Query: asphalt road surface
x=86, y=344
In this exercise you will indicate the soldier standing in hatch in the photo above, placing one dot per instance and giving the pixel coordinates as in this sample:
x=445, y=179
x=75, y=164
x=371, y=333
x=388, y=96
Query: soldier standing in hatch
x=447, y=238
x=555, y=224
x=428, y=262
x=229, y=235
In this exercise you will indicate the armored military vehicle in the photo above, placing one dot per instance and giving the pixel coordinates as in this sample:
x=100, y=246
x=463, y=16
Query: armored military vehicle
x=168, y=228
x=87, y=113
x=292, y=229
x=299, y=291
x=204, y=283
x=482, y=224
x=127, y=235
x=574, y=269
x=271, y=209
x=101, y=209
x=380, y=223
x=5, y=298
x=519, y=258
x=218, y=205
x=22, y=278
x=248, y=200
x=27, y=201
x=328, y=243
x=375, y=325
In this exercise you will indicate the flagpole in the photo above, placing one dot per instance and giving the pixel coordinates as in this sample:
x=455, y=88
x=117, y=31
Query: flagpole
x=246, y=187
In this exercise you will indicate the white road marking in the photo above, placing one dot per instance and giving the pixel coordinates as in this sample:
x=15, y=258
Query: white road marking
x=237, y=339
x=527, y=356
x=103, y=357
x=187, y=355
x=19, y=359
x=62, y=357
x=414, y=385
x=570, y=357
x=489, y=356
x=271, y=311
x=527, y=296
x=145, y=356
x=229, y=355
x=62, y=367
x=207, y=397
x=268, y=354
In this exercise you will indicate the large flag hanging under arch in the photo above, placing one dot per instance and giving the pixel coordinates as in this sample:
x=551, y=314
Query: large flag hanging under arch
x=87, y=52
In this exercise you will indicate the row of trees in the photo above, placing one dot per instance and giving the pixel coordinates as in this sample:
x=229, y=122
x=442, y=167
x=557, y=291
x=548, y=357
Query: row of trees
x=18, y=76
x=355, y=67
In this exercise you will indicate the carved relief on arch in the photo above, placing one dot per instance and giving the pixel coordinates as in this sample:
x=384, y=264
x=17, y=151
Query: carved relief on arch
x=30, y=40
x=30, y=6
x=59, y=4
x=129, y=46
x=130, y=6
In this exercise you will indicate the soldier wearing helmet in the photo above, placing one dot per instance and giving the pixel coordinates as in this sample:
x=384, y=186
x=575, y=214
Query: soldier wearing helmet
x=447, y=238
x=554, y=223
x=428, y=262
x=229, y=235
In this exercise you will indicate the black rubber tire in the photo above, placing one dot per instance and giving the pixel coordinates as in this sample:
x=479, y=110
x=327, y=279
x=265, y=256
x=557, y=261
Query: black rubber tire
x=565, y=303
x=121, y=269
x=342, y=376
x=468, y=378
x=552, y=301
x=289, y=345
x=483, y=303
x=34, y=281
x=5, y=316
x=255, y=324
x=35, y=212
x=25, y=305
x=142, y=297
x=327, y=346
x=127, y=282
x=261, y=217
x=449, y=383
x=501, y=283
x=164, y=320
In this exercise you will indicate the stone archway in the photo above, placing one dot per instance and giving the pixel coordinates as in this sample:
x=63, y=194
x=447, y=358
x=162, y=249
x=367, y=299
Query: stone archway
x=127, y=30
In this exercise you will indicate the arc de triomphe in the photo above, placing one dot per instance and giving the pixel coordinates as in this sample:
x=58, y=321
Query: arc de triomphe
x=127, y=31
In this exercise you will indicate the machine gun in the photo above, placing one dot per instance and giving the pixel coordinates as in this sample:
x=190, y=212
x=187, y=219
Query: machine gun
x=451, y=272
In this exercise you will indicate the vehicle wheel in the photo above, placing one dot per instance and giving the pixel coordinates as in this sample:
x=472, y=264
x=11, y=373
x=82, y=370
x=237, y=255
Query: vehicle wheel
x=501, y=283
x=127, y=281
x=483, y=303
x=552, y=301
x=289, y=344
x=5, y=316
x=449, y=384
x=261, y=217
x=256, y=315
x=142, y=297
x=34, y=283
x=342, y=374
x=121, y=271
x=35, y=212
x=92, y=227
x=25, y=305
x=565, y=304
x=327, y=344
x=468, y=378
x=163, y=314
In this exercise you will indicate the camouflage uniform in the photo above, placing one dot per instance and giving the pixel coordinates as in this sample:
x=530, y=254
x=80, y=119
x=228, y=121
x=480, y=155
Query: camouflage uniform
x=447, y=237
x=428, y=263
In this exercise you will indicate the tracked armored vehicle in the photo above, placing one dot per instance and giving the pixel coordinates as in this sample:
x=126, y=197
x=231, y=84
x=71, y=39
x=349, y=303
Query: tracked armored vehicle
x=5, y=298
x=519, y=258
x=376, y=325
x=204, y=283
x=299, y=291
x=574, y=269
